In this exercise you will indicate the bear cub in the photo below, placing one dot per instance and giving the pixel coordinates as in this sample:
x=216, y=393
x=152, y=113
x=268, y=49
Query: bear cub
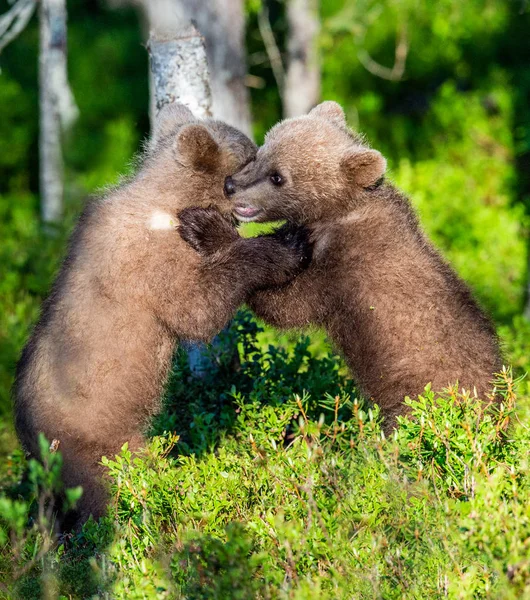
x=93, y=370
x=398, y=312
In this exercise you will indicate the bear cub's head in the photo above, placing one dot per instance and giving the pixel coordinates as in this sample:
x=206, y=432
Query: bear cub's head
x=310, y=168
x=194, y=156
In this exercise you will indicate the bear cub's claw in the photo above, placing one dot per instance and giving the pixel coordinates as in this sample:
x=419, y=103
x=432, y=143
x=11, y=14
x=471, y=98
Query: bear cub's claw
x=296, y=238
x=206, y=230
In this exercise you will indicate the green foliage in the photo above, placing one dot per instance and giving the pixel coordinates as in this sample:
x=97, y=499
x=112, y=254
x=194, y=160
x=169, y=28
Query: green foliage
x=449, y=447
x=27, y=523
x=463, y=195
x=113, y=118
x=446, y=44
x=266, y=376
x=337, y=510
x=291, y=492
x=15, y=135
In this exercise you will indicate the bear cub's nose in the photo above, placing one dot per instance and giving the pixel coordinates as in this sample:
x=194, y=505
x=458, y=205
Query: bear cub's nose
x=230, y=186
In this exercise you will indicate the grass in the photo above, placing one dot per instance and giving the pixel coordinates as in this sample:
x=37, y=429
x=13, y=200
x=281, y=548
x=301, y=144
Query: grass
x=276, y=481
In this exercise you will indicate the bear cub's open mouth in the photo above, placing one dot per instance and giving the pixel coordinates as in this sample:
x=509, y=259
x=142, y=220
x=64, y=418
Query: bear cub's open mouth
x=246, y=213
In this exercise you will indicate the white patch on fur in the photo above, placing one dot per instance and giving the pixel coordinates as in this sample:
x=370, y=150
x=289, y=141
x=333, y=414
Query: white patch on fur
x=161, y=220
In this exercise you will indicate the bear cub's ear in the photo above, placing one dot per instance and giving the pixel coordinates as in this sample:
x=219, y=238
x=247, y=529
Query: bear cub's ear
x=364, y=167
x=169, y=118
x=330, y=111
x=196, y=148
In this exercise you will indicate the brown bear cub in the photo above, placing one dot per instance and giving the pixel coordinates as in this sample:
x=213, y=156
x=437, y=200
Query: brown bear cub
x=400, y=315
x=93, y=371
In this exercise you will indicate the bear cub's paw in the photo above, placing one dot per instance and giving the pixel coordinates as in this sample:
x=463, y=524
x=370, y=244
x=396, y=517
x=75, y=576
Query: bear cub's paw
x=206, y=230
x=297, y=239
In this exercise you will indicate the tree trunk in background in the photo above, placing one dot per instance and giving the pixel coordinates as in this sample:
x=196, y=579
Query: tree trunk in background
x=302, y=80
x=222, y=23
x=179, y=70
x=57, y=107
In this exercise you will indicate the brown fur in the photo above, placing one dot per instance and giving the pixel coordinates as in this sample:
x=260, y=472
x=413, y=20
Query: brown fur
x=130, y=288
x=398, y=312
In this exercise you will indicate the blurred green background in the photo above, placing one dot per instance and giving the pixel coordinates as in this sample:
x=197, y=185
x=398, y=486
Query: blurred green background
x=455, y=128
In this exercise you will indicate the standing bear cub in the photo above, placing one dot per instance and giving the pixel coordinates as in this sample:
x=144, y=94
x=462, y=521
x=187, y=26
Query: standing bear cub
x=400, y=315
x=130, y=288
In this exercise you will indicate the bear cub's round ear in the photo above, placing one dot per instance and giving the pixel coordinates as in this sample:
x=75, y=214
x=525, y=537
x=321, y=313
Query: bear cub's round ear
x=330, y=111
x=170, y=117
x=196, y=148
x=365, y=167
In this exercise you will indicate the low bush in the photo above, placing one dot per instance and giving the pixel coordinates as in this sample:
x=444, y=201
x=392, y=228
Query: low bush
x=281, y=484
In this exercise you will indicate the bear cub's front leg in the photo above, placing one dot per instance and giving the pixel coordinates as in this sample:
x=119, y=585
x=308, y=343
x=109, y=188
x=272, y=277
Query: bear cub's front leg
x=262, y=261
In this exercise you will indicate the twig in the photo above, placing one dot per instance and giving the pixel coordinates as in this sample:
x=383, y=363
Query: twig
x=15, y=20
x=397, y=71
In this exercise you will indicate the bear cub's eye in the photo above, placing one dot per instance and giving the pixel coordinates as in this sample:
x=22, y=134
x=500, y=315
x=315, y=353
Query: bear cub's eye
x=276, y=179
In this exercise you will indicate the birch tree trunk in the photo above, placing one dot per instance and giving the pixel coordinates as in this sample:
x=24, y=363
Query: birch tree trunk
x=57, y=107
x=179, y=70
x=222, y=24
x=302, y=80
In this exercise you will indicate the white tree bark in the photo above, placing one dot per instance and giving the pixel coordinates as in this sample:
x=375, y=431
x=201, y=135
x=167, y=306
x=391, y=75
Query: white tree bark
x=302, y=80
x=15, y=20
x=222, y=24
x=57, y=106
x=179, y=70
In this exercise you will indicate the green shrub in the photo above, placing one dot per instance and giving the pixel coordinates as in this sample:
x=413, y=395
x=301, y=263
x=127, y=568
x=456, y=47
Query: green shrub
x=279, y=489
